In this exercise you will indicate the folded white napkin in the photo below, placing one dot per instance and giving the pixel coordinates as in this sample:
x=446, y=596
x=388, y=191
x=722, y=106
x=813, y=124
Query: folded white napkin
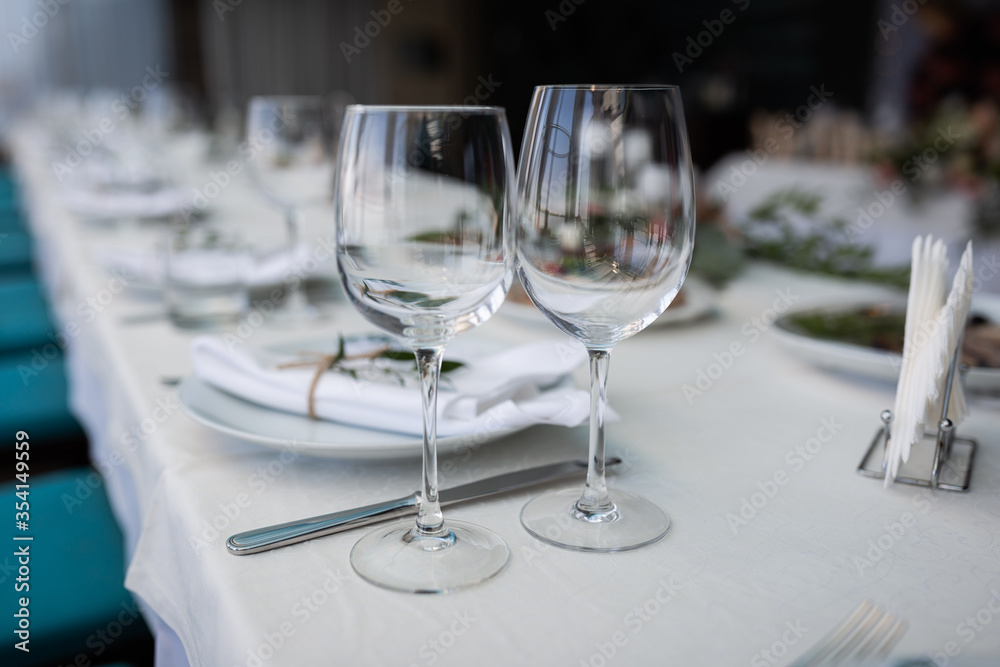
x=504, y=391
x=160, y=203
x=933, y=332
x=147, y=266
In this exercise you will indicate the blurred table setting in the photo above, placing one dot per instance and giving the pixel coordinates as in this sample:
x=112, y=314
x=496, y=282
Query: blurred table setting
x=734, y=412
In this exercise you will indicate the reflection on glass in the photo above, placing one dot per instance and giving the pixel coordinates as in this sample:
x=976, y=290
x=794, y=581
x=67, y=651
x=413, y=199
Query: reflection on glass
x=421, y=201
x=604, y=237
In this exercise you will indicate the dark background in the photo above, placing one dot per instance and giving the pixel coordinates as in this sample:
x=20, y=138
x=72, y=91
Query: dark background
x=890, y=62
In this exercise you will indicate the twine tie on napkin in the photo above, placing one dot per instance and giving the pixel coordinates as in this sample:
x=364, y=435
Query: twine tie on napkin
x=505, y=391
x=323, y=363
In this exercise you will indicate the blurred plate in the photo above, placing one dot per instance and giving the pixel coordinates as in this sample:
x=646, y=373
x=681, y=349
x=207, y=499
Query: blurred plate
x=699, y=302
x=876, y=322
x=143, y=266
x=116, y=205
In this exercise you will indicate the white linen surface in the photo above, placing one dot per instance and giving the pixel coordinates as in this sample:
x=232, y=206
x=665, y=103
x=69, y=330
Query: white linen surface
x=801, y=552
x=512, y=388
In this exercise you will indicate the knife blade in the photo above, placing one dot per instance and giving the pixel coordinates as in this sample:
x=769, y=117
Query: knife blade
x=292, y=532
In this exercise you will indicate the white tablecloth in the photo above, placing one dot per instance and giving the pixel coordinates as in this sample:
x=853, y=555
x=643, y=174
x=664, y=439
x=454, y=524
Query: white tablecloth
x=774, y=536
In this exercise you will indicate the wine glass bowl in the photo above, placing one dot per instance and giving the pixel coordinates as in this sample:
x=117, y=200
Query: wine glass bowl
x=291, y=144
x=290, y=149
x=604, y=235
x=422, y=199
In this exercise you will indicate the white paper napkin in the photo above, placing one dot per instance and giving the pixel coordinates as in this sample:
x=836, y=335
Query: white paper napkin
x=147, y=266
x=933, y=331
x=508, y=390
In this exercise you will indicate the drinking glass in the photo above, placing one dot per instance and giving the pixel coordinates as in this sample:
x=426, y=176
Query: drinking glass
x=206, y=268
x=421, y=200
x=290, y=145
x=604, y=234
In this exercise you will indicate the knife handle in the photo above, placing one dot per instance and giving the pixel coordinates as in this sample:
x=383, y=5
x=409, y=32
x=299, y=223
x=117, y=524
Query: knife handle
x=281, y=535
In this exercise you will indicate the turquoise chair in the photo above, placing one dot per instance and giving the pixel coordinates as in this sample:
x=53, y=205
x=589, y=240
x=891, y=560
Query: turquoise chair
x=15, y=252
x=35, y=393
x=8, y=191
x=77, y=599
x=24, y=315
x=10, y=221
x=10, y=216
x=10, y=202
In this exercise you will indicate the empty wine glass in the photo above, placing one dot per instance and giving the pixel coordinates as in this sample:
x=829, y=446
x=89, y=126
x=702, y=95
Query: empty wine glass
x=290, y=144
x=421, y=199
x=604, y=235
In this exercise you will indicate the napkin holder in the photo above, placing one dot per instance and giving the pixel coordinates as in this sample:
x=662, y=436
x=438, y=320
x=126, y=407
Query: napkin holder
x=951, y=464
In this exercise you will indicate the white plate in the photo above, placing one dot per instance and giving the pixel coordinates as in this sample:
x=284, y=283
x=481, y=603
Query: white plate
x=699, y=302
x=237, y=417
x=314, y=437
x=870, y=362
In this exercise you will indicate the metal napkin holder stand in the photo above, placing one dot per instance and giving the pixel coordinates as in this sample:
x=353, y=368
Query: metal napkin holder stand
x=945, y=443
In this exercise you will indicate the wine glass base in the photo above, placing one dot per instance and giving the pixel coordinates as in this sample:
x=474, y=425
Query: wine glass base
x=552, y=518
x=389, y=558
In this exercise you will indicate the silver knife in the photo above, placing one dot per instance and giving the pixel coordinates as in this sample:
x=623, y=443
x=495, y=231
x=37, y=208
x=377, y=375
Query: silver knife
x=283, y=534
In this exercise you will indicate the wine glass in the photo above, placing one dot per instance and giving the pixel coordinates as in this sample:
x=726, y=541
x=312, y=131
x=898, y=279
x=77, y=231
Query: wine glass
x=421, y=200
x=290, y=144
x=604, y=235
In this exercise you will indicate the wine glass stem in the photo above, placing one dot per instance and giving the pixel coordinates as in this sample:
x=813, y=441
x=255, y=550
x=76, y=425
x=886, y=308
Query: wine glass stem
x=295, y=299
x=430, y=520
x=595, y=502
x=291, y=228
